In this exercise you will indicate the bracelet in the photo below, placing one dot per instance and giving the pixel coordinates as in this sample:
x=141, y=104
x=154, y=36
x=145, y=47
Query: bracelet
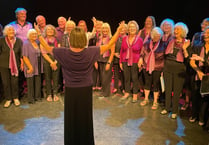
x=108, y=62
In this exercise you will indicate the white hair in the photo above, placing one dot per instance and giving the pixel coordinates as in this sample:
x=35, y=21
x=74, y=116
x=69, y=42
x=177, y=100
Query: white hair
x=184, y=28
x=6, y=28
x=169, y=22
x=155, y=31
x=30, y=31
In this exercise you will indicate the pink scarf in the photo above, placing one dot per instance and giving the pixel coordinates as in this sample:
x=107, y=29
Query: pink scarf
x=146, y=37
x=151, y=57
x=12, y=59
x=129, y=54
x=100, y=42
x=171, y=45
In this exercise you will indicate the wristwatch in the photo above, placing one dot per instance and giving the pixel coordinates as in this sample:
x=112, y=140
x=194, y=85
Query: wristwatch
x=108, y=62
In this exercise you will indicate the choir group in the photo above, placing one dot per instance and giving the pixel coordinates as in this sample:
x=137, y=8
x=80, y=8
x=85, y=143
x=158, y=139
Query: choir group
x=153, y=60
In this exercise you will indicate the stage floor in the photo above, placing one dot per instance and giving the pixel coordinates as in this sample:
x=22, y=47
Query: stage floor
x=115, y=123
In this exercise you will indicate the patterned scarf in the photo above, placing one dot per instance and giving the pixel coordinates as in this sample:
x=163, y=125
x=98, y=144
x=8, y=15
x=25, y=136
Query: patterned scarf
x=12, y=59
x=151, y=57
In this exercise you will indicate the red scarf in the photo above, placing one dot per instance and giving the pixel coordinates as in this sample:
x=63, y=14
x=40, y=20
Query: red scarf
x=12, y=59
x=151, y=57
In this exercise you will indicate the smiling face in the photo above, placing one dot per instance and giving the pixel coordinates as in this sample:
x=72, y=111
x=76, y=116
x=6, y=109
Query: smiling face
x=50, y=31
x=167, y=28
x=41, y=21
x=148, y=22
x=21, y=16
x=10, y=32
x=132, y=29
x=178, y=32
x=33, y=36
x=61, y=22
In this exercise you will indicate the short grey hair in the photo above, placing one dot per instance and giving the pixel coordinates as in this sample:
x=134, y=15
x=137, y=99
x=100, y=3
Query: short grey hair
x=20, y=9
x=155, y=31
x=168, y=21
x=184, y=28
x=6, y=28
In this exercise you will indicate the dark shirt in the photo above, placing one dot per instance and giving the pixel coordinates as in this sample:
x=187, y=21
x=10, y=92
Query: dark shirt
x=5, y=52
x=159, y=55
x=65, y=41
x=60, y=33
x=77, y=67
x=117, y=50
x=197, y=39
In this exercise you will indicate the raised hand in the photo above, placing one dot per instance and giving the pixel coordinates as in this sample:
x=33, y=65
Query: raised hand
x=37, y=28
x=186, y=44
x=121, y=25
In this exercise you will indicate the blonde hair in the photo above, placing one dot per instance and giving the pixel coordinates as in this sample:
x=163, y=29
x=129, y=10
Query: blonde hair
x=78, y=38
x=69, y=22
x=106, y=25
x=184, y=28
x=6, y=28
x=135, y=23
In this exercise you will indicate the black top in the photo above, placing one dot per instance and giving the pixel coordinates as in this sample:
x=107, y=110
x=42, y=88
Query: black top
x=5, y=52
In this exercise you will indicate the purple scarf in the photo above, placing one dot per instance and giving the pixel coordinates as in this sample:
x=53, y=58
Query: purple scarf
x=12, y=59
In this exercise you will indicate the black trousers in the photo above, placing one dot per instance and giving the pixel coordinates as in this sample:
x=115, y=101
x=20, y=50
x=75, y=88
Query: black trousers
x=34, y=88
x=78, y=116
x=173, y=82
x=152, y=79
x=131, y=74
x=118, y=75
x=196, y=97
x=106, y=77
x=10, y=84
x=51, y=75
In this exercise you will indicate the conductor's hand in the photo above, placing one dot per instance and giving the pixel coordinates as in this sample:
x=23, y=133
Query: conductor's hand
x=121, y=26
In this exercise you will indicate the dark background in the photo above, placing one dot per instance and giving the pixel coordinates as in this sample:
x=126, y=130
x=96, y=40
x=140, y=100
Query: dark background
x=188, y=11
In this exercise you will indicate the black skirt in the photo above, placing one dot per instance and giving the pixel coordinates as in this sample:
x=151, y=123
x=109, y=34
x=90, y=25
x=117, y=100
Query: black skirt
x=78, y=116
